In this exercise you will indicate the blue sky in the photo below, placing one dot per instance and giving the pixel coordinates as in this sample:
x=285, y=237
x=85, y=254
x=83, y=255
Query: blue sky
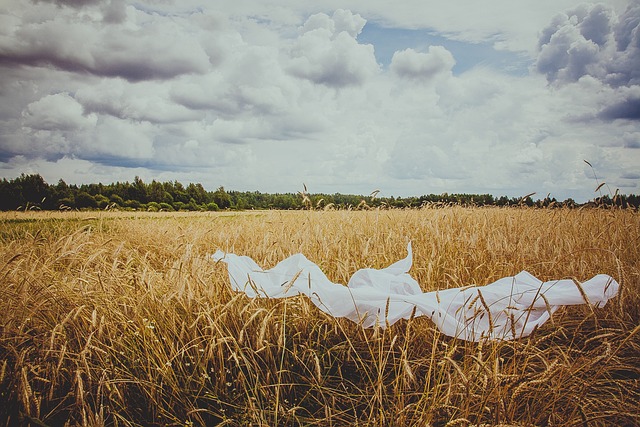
x=501, y=97
x=468, y=55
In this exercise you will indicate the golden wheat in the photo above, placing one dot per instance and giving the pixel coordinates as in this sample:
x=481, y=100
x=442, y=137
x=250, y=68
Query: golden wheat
x=124, y=319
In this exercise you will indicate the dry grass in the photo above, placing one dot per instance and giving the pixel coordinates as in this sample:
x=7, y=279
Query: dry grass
x=123, y=319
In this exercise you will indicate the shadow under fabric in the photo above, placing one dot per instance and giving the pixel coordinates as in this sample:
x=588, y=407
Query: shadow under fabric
x=509, y=308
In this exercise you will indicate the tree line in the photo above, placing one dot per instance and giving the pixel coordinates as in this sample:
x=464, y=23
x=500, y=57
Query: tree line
x=31, y=192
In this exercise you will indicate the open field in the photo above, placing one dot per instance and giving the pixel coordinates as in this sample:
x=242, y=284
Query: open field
x=124, y=319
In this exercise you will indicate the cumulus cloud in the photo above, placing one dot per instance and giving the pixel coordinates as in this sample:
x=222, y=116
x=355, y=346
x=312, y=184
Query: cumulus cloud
x=168, y=90
x=592, y=40
x=143, y=101
x=626, y=32
x=631, y=139
x=348, y=22
x=114, y=11
x=57, y=126
x=422, y=66
x=140, y=49
x=328, y=53
x=117, y=140
x=627, y=108
x=57, y=112
x=252, y=97
x=71, y=3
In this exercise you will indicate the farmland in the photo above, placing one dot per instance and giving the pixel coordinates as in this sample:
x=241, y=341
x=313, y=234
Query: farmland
x=123, y=318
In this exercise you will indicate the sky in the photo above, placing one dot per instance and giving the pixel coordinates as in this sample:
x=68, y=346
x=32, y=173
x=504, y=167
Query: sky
x=409, y=98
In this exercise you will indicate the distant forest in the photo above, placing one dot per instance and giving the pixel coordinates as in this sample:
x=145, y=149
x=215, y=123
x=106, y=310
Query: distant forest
x=31, y=192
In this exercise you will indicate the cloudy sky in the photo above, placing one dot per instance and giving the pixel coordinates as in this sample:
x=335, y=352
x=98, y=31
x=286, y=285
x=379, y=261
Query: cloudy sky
x=411, y=97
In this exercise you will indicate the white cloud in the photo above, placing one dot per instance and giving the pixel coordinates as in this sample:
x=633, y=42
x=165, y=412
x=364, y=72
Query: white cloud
x=592, y=40
x=143, y=101
x=531, y=154
x=423, y=66
x=57, y=112
x=625, y=105
x=507, y=24
x=119, y=139
x=328, y=53
x=254, y=96
x=348, y=22
x=631, y=139
x=140, y=48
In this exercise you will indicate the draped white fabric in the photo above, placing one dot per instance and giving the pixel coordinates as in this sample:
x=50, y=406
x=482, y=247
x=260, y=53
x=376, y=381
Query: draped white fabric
x=510, y=308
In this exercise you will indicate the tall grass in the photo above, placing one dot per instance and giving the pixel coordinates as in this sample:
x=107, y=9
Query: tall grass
x=124, y=319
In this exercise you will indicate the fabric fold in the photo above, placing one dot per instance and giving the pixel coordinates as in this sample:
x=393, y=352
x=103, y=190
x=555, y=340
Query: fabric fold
x=509, y=308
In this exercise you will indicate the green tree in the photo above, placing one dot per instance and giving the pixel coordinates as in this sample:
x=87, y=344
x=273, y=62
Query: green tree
x=114, y=198
x=166, y=207
x=8, y=198
x=167, y=197
x=178, y=193
x=61, y=195
x=193, y=205
x=31, y=190
x=156, y=192
x=101, y=201
x=137, y=191
x=85, y=200
x=153, y=206
x=197, y=193
x=221, y=198
x=132, y=204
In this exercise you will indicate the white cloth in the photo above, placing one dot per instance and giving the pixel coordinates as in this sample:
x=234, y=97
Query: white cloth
x=510, y=308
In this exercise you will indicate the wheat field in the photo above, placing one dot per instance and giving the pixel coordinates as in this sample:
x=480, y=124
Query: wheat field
x=123, y=318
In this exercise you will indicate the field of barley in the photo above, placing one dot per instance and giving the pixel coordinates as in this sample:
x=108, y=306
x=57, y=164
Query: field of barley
x=124, y=319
